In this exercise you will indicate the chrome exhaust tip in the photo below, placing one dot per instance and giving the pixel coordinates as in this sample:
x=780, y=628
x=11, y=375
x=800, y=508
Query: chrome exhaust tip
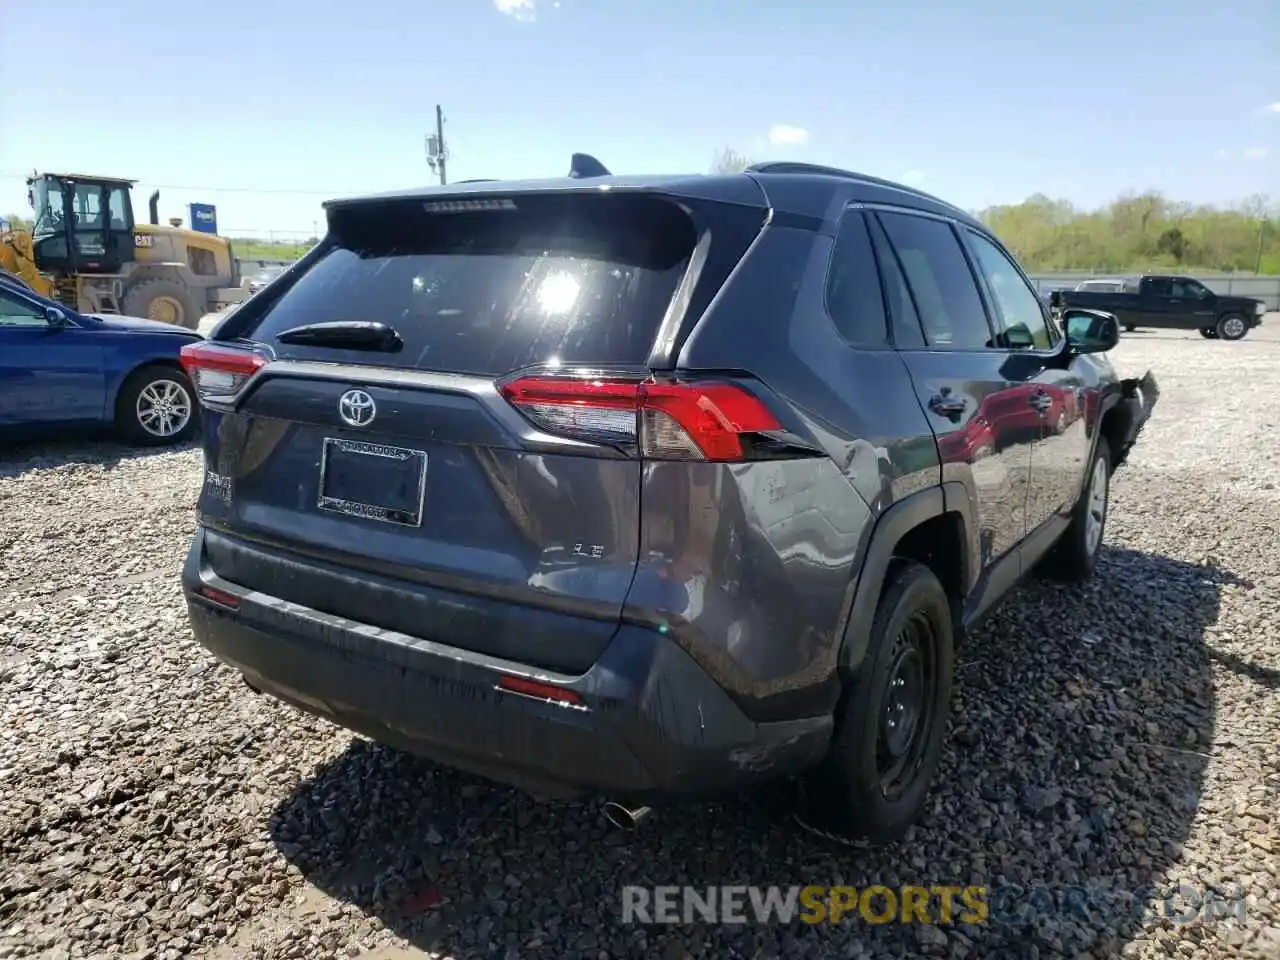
x=625, y=818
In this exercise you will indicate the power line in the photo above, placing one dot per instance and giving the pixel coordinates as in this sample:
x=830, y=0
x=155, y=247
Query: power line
x=5, y=175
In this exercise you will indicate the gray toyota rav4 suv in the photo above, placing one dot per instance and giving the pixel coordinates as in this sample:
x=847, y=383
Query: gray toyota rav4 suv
x=647, y=487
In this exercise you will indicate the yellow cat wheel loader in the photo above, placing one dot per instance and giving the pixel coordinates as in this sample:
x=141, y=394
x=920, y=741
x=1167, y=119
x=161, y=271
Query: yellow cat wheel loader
x=85, y=249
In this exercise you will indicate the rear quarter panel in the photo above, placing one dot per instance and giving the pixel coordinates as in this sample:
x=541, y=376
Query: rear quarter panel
x=124, y=351
x=754, y=566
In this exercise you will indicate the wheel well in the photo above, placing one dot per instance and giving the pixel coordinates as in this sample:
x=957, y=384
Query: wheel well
x=159, y=363
x=938, y=543
x=1112, y=430
x=164, y=363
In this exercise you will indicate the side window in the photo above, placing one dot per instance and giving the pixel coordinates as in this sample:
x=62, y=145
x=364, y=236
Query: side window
x=16, y=312
x=942, y=285
x=1022, y=315
x=907, y=334
x=854, y=300
x=88, y=207
x=1191, y=289
x=1158, y=286
x=117, y=201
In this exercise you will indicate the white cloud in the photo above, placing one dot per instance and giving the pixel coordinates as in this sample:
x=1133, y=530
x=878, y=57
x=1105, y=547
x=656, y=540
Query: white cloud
x=782, y=135
x=1248, y=153
x=1272, y=107
x=525, y=11
x=912, y=178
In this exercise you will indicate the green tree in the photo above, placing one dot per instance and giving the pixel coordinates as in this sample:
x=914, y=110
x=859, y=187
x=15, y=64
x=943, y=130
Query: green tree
x=1140, y=231
x=728, y=160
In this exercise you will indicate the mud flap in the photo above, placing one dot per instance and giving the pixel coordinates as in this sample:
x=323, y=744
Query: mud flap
x=1138, y=396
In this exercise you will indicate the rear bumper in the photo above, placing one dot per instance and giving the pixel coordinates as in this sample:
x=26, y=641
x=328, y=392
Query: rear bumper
x=650, y=724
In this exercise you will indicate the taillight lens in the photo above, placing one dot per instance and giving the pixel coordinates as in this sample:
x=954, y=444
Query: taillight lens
x=666, y=421
x=219, y=372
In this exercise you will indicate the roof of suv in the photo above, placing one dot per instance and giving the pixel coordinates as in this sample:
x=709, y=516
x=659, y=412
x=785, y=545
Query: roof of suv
x=767, y=182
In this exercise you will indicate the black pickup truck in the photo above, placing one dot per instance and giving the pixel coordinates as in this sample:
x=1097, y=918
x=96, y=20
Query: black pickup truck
x=1176, y=303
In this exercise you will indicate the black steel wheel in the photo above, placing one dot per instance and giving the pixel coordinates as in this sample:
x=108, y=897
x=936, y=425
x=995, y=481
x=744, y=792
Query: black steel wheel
x=906, y=714
x=892, y=718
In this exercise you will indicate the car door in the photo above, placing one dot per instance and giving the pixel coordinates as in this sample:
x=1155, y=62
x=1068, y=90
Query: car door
x=1051, y=402
x=960, y=379
x=1191, y=305
x=49, y=373
x=1156, y=305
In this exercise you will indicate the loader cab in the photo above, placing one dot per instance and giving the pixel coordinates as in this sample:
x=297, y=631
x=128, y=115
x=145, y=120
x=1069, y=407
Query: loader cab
x=82, y=224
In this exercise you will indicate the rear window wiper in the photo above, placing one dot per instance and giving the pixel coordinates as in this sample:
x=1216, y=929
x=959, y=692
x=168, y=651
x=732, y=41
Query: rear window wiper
x=346, y=335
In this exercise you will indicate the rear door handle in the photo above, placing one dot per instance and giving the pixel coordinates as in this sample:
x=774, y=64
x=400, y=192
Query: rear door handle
x=945, y=405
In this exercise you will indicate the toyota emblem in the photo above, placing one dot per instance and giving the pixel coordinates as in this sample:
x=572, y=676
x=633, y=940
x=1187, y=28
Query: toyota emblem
x=357, y=408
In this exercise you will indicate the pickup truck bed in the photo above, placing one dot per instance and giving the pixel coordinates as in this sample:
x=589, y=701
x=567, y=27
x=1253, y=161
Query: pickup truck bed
x=1175, y=303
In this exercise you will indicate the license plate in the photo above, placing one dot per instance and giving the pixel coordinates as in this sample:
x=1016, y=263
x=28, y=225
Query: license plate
x=373, y=481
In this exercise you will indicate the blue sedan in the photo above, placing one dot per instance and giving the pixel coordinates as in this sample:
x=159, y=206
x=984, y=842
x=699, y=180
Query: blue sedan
x=60, y=368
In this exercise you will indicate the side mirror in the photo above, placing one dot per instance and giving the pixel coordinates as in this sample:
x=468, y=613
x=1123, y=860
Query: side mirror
x=56, y=317
x=1018, y=337
x=1091, y=331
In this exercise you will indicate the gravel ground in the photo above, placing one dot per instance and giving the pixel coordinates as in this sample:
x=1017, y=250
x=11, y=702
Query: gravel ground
x=1120, y=735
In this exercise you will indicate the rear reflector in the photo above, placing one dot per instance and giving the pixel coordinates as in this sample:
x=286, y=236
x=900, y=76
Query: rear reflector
x=220, y=597
x=667, y=421
x=219, y=372
x=543, y=691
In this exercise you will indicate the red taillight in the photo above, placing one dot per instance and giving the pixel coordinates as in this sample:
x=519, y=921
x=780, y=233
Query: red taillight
x=219, y=372
x=669, y=421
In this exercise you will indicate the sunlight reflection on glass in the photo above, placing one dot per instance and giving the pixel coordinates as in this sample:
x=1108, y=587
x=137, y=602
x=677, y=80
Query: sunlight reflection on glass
x=558, y=293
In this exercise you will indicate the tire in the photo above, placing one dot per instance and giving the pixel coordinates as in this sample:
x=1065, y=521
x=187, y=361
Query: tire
x=165, y=300
x=1075, y=555
x=846, y=794
x=141, y=393
x=1232, y=327
x=1209, y=333
x=1129, y=328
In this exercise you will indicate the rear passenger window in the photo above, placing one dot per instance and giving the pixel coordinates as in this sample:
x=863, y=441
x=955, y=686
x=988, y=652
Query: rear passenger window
x=903, y=318
x=942, y=285
x=1023, y=323
x=854, y=300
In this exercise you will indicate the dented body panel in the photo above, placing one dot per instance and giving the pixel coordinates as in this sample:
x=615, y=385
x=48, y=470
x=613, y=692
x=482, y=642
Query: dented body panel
x=552, y=598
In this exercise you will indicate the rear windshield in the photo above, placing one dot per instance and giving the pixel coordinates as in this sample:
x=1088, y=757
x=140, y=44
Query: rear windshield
x=570, y=279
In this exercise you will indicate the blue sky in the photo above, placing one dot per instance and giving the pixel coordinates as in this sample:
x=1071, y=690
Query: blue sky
x=980, y=102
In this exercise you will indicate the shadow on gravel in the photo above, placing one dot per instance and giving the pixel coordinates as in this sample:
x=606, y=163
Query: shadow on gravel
x=17, y=456
x=1083, y=719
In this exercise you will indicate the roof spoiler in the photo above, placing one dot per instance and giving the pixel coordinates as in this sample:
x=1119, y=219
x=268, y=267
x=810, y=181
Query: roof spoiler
x=584, y=165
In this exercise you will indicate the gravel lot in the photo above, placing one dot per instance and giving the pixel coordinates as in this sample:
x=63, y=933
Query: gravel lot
x=1120, y=735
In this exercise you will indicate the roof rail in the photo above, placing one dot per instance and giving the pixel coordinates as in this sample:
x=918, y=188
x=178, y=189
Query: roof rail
x=795, y=166
x=817, y=169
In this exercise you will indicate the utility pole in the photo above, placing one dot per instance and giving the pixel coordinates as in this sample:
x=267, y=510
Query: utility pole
x=437, y=152
x=1262, y=229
